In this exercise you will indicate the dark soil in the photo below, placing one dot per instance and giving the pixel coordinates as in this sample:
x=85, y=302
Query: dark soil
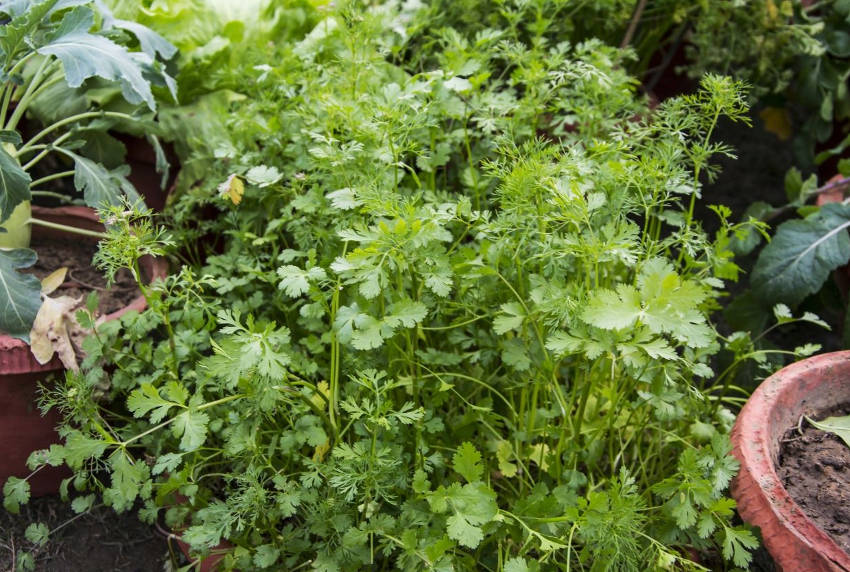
x=82, y=277
x=99, y=541
x=814, y=467
x=757, y=173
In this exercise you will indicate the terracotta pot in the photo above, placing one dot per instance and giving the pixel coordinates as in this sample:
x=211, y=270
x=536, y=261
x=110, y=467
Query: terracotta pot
x=216, y=555
x=142, y=161
x=22, y=428
x=804, y=388
x=211, y=562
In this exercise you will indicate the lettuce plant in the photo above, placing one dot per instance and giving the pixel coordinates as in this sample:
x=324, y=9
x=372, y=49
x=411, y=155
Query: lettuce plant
x=43, y=45
x=458, y=317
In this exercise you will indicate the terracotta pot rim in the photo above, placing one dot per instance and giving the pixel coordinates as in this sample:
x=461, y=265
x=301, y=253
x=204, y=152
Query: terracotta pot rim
x=211, y=561
x=773, y=509
x=21, y=360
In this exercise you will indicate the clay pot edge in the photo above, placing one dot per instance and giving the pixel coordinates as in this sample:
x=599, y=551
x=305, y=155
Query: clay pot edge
x=762, y=499
x=17, y=358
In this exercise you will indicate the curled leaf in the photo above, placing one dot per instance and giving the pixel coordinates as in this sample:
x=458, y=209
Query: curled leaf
x=56, y=330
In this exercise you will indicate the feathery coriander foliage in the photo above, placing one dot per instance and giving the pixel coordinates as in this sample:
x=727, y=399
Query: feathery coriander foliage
x=459, y=320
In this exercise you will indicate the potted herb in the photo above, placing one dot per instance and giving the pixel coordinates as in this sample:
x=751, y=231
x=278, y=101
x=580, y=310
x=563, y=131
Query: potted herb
x=430, y=338
x=769, y=436
x=44, y=45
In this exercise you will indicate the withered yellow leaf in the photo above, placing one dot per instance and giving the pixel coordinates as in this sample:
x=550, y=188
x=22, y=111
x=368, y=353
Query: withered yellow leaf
x=321, y=451
x=777, y=121
x=53, y=280
x=232, y=188
x=55, y=330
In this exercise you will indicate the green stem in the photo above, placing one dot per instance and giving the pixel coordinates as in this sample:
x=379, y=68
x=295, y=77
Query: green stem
x=49, y=178
x=166, y=319
x=484, y=384
x=47, y=149
x=73, y=119
x=56, y=79
x=8, y=91
x=697, y=167
x=9, y=88
x=26, y=98
x=455, y=325
x=51, y=194
x=333, y=407
x=21, y=63
x=169, y=421
x=66, y=228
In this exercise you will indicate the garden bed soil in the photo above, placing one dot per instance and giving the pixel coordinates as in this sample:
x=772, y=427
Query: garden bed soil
x=814, y=467
x=82, y=277
x=99, y=541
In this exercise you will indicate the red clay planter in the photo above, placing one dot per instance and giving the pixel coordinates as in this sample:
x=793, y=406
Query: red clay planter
x=208, y=564
x=804, y=388
x=22, y=427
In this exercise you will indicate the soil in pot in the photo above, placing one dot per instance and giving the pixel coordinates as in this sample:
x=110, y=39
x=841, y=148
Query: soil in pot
x=99, y=541
x=82, y=277
x=814, y=467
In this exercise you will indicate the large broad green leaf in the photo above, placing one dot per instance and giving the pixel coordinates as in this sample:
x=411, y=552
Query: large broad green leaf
x=100, y=186
x=26, y=18
x=802, y=254
x=14, y=184
x=58, y=101
x=85, y=55
x=78, y=20
x=150, y=42
x=37, y=9
x=20, y=294
x=103, y=148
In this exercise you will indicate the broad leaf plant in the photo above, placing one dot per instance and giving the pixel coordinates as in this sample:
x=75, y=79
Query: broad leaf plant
x=51, y=52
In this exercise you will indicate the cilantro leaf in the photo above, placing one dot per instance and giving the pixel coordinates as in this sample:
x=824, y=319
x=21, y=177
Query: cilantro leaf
x=473, y=505
x=147, y=399
x=467, y=462
x=37, y=533
x=295, y=281
x=516, y=564
x=737, y=542
x=192, y=425
x=511, y=319
x=16, y=491
x=266, y=555
x=405, y=313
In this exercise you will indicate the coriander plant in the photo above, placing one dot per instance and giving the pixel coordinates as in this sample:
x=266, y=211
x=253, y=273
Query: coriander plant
x=458, y=317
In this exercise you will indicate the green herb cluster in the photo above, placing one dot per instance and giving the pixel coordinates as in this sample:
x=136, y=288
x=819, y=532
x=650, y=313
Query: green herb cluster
x=458, y=315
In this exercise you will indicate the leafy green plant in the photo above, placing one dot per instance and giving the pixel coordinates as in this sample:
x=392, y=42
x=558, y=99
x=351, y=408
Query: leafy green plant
x=795, y=55
x=458, y=317
x=797, y=262
x=45, y=45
